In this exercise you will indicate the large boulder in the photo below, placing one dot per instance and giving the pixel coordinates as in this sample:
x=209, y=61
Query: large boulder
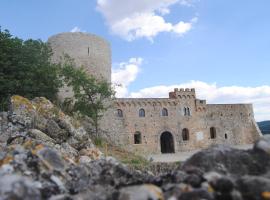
x=227, y=160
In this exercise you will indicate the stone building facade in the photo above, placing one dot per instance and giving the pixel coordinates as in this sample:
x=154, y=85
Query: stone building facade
x=178, y=123
x=181, y=123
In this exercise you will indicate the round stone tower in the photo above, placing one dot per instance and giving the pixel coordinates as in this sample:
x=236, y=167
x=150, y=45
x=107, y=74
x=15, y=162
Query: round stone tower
x=87, y=50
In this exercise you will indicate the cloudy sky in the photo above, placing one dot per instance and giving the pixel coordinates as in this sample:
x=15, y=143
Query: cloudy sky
x=221, y=48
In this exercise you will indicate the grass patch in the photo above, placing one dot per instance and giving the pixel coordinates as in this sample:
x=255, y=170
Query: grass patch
x=134, y=161
x=99, y=142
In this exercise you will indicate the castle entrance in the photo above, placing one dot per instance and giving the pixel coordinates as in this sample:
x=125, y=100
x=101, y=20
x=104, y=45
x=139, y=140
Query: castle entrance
x=166, y=142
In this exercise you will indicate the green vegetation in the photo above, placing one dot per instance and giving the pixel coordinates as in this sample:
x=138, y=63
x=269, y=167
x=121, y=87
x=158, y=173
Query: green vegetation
x=26, y=69
x=134, y=161
x=99, y=142
x=90, y=93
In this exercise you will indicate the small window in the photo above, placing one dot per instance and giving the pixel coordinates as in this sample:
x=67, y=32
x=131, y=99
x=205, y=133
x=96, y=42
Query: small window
x=164, y=112
x=186, y=111
x=185, y=134
x=226, y=136
x=119, y=113
x=212, y=132
x=141, y=113
x=137, y=138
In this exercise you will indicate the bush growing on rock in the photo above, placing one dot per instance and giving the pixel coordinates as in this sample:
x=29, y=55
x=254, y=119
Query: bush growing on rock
x=90, y=94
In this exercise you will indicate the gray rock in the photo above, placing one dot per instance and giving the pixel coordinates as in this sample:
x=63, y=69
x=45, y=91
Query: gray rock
x=6, y=169
x=97, y=192
x=51, y=158
x=196, y=194
x=40, y=122
x=80, y=179
x=224, y=160
x=58, y=182
x=84, y=159
x=40, y=136
x=141, y=192
x=253, y=187
x=55, y=132
x=21, y=112
x=61, y=197
x=263, y=144
x=16, y=188
x=67, y=150
x=223, y=185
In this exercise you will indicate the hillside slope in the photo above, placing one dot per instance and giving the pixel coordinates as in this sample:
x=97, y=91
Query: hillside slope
x=264, y=126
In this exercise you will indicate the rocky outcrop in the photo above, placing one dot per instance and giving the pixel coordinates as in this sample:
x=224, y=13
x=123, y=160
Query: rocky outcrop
x=45, y=154
x=43, y=122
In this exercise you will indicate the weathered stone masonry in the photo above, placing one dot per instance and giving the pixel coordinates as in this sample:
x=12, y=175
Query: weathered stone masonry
x=157, y=125
x=188, y=123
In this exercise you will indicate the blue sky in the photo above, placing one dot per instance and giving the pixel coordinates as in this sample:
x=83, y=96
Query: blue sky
x=220, y=47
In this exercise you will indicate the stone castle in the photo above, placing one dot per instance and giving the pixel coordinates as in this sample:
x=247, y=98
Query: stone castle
x=157, y=125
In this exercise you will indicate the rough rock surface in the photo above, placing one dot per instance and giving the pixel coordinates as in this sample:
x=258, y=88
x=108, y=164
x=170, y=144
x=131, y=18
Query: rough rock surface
x=61, y=163
x=43, y=122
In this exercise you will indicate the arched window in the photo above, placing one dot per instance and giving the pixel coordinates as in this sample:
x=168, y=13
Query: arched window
x=212, y=132
x=226, y=136
x=185, y=134
x=119, y=113
x=141, y=113
x=186, y=111
x=137, y=138
x=164, y=112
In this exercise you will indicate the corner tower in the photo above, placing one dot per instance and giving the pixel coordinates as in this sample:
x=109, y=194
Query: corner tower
x=87, y=50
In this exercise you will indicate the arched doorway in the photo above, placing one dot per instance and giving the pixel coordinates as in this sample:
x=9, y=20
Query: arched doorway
x=166, y=142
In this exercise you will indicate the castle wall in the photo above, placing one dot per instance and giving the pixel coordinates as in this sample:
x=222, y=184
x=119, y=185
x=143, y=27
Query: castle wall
x=236, y=121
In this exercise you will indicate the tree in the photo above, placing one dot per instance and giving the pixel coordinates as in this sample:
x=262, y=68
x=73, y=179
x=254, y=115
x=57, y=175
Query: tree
x=90, y=94
x=26, y=69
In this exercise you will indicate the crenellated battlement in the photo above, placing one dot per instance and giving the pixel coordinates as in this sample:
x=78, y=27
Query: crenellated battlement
x=183, y=93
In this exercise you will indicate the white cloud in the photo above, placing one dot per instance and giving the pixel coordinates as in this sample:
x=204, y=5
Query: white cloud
x=142, y=18
x=76, y=29
x=259, y=96
x=124, y=74
x=164, y=11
